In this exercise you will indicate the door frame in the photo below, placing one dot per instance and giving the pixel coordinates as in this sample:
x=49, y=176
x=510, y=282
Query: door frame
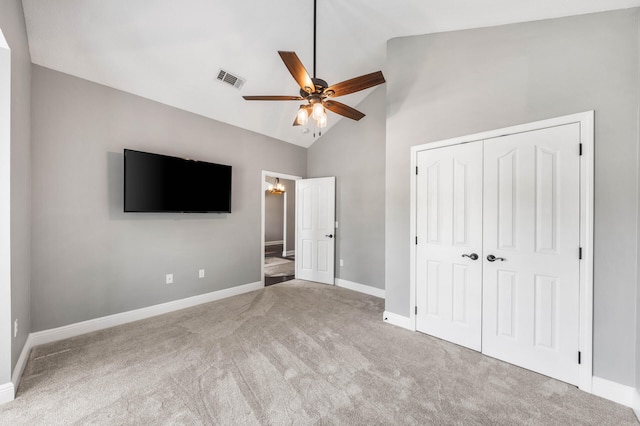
x=7, y=387
x=586, y=121
x=266, y=173
x=284, y=224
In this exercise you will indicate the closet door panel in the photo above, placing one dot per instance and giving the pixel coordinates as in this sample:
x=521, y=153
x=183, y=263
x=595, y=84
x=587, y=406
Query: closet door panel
x=449, y=225
x=531, y=228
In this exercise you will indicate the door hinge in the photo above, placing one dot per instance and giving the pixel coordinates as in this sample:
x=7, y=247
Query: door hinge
x=580, y=149
x=579, y=357
x=580, y=253
x=416, y=240
x=416, y=310
x=416, y=169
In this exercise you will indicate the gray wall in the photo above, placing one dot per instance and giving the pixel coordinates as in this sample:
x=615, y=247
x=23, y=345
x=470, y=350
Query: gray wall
x=354, y=153
x=89, y=258
x=14, y=30
x=274, y=213
x=290, y=186
x=452, y=84
x=273, y=217
x=5, y=214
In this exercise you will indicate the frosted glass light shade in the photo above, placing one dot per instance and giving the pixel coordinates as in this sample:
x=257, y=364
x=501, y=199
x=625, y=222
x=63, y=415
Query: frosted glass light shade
x=318, y=110
x=322, y=121
x=303, y=116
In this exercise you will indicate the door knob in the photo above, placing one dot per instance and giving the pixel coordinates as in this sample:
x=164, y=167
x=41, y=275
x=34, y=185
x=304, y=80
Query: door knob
x=492, y=258
x=329, y=236
x=471, y=256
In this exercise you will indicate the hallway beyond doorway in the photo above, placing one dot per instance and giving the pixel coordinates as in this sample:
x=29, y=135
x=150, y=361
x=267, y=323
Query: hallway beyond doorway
x=277, y=269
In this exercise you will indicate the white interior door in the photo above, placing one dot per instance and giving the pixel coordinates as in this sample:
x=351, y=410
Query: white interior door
x=449, y=253
x=315, y=229
x=532, y=226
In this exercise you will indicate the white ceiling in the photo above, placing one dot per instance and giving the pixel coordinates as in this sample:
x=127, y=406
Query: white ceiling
x=170, y=51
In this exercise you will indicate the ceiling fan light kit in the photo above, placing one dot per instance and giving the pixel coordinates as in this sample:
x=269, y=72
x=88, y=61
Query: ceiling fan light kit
x=276, y=189
x=317, y=93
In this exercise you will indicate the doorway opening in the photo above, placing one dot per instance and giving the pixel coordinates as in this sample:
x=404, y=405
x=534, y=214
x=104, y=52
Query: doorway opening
x=278, y=227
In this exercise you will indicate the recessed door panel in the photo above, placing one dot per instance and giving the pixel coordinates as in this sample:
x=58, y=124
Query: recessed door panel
x=433, y=286
x=460, y=216
x=507, y=166
x=546, y=201
x=433, y=205
x=460, y=296
x=306, y=213
x=306, y=255
x=323, y=256
x=506, y=304
x=546, y=312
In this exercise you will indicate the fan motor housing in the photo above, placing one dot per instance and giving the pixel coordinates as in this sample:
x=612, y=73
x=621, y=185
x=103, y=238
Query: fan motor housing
x=319, y=84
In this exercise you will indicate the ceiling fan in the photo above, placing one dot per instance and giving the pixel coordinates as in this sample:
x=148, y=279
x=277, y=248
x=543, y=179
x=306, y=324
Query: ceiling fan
x=318, y=94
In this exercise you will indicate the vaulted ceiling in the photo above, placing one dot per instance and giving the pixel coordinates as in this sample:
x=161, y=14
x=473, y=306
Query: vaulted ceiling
x=171, y=51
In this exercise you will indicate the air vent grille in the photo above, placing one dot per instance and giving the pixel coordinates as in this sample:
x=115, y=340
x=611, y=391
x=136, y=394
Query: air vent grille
x=233, y=80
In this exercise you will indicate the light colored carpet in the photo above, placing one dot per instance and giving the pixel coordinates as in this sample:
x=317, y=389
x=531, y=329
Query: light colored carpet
x=293, y=353
x=278, y=267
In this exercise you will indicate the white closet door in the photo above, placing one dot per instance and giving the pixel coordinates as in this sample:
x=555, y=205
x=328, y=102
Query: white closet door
x=531, y=225
x=315, y=229
x=449, y=225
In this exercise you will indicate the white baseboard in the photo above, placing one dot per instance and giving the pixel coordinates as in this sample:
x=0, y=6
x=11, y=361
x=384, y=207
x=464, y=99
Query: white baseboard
x=398, y=320
x=622, y=394
x=288, y=253
x=366, y=289
x=22, y=362
x=72, y=330
x=7, y=393
x=272, y=243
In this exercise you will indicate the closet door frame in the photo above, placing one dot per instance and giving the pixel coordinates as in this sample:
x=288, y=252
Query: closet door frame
x=586, y=122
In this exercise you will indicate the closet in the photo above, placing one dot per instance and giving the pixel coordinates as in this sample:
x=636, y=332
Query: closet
x=497, y=256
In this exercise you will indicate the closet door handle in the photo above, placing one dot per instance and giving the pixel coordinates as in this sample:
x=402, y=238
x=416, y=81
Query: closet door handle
x=492, y=258
x=471, y=256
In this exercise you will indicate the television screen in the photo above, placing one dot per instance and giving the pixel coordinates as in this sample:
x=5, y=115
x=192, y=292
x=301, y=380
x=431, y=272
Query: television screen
x=159, y=183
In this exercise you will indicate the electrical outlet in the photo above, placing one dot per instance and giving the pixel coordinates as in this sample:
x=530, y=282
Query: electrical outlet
x=15, y=328
x=169, y=279
x=341, y=262
x=201, y=273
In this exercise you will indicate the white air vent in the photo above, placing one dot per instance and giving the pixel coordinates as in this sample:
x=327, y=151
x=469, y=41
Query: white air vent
x=231, y=79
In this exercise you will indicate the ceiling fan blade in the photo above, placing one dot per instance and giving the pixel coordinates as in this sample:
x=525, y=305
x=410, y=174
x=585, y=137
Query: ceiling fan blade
x=298, y=71
x=342, y=109
x=273, y=98
x=356, y=84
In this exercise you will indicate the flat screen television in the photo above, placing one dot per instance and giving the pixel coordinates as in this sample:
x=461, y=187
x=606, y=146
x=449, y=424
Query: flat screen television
x=156, y=183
